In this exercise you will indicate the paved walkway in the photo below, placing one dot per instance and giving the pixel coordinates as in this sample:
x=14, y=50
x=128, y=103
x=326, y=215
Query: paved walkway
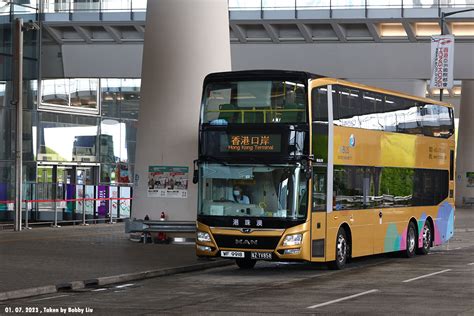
x=52, y=256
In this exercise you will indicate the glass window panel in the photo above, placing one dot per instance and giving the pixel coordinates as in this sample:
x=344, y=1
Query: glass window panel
x=139, y=5
x=129, y=134
x=29, y=135
x=7, y=134
x=254, y=102
x=110, y=141
x=110, y=91
x=84, y=93
x=108, y=173
x=7, y=184
x=3, y=93
x=65, y=137
x=5, y=34
x=244, y=4
x=313, y=4
x=55, y=92
x=347, y=107
x=130, y=98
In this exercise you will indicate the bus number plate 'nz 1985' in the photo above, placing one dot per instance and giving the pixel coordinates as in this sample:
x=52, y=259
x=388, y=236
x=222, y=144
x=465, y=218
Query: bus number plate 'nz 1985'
x=261, y=255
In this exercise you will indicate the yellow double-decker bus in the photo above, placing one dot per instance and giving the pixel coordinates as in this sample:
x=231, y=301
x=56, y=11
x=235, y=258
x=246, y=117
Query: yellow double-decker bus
x=295, y=166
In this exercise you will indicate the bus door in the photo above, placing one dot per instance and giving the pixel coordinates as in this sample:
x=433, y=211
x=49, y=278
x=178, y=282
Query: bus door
x=318, y=213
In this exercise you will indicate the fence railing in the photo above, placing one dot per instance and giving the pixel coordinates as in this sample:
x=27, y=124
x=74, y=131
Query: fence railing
x=57, y=203
x=242, y=5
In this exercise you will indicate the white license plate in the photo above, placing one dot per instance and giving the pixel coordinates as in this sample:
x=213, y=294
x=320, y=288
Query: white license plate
x=232, y=254
x=261, y=255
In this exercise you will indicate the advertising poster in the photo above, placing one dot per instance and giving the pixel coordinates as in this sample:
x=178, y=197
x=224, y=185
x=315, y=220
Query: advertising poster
x=79, y=196
x=113, y=193
x=3, y=197
x=168, y=182
x=470, y=179
x=89, y=205
x=125, y=192
x=442, y=61
x=102, y=205
x=70, y=194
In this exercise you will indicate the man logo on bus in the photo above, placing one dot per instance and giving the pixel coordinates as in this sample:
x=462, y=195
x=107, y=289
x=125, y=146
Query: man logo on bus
x=352, y=140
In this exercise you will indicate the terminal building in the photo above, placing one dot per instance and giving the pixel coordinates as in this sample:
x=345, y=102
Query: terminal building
x=84, y=102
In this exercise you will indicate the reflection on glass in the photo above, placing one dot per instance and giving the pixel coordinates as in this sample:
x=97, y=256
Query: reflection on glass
x=73, y=93
x=65, y=137
x=55, y=92
x=254, y=102
x=271, y=191
x=84, y=93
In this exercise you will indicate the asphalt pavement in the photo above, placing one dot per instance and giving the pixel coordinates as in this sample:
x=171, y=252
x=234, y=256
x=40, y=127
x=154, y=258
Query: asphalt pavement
x=45, y=260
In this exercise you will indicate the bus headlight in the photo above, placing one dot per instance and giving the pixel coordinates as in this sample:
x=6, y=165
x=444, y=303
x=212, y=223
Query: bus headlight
x=293, y=240
x=203, y=237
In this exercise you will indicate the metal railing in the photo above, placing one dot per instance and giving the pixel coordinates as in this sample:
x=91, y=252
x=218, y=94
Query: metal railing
x=57, y=203
x=244, y=5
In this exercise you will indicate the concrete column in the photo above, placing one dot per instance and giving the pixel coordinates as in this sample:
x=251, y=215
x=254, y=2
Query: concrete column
x=409, y=86
x=465, y=144
x=184, y=41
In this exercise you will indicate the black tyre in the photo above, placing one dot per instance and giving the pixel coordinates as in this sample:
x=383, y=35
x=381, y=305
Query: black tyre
x=342, y=251
x=245, y=263
x=427, y=239
x=411, y=241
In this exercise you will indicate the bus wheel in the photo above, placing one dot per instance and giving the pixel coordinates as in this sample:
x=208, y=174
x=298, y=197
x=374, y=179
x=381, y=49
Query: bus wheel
x=342, y=248
x=426, y=239
x=411, y=241
x=245, y=263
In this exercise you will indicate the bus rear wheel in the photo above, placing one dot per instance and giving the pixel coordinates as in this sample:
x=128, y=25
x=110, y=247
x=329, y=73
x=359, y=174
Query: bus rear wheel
x=411, y=241
x=342, y=247
x=427, y=233
x=245, y=263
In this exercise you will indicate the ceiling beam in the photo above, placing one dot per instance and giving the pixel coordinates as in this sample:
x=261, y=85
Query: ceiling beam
x=272, y=33
x=55, y=34
x=374, y=31
x=113, y=33
x=83, y=33
x=239, y=32
x=340, y=31
x=410, y=30
x=305, y=32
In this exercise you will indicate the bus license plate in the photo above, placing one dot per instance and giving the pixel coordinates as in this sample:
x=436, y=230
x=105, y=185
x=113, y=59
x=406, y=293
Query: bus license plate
x=261, y=255
x=232, y=254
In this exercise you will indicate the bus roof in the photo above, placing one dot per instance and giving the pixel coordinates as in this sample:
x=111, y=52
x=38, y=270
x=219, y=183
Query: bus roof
x=261, y=74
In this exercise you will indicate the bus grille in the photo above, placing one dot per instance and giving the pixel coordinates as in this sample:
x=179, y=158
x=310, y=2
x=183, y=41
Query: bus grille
x=246, y=242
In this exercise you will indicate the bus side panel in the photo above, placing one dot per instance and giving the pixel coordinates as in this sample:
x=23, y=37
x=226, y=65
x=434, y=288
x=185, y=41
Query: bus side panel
x=360, y=223
x=391, y=229
x=318, y=236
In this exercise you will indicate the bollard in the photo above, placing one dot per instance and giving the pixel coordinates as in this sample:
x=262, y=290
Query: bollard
x=28, y=207
x=84, y=208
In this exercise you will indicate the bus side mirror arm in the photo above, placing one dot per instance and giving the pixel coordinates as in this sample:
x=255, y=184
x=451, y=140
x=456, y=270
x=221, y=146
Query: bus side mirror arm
x=195, y=172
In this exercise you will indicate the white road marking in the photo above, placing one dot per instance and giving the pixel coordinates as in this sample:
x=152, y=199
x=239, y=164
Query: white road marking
x=426, y=275
x=471, y=264
x=342, y=299
x=49, y=298
x=99, y=290
x=123, y=285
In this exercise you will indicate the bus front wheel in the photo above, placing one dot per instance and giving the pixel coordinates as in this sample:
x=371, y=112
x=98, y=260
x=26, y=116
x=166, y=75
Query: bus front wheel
x=245, y=263
x=342, y=247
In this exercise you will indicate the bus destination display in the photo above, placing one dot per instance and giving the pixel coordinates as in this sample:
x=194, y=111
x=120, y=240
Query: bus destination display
x=250, y=143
